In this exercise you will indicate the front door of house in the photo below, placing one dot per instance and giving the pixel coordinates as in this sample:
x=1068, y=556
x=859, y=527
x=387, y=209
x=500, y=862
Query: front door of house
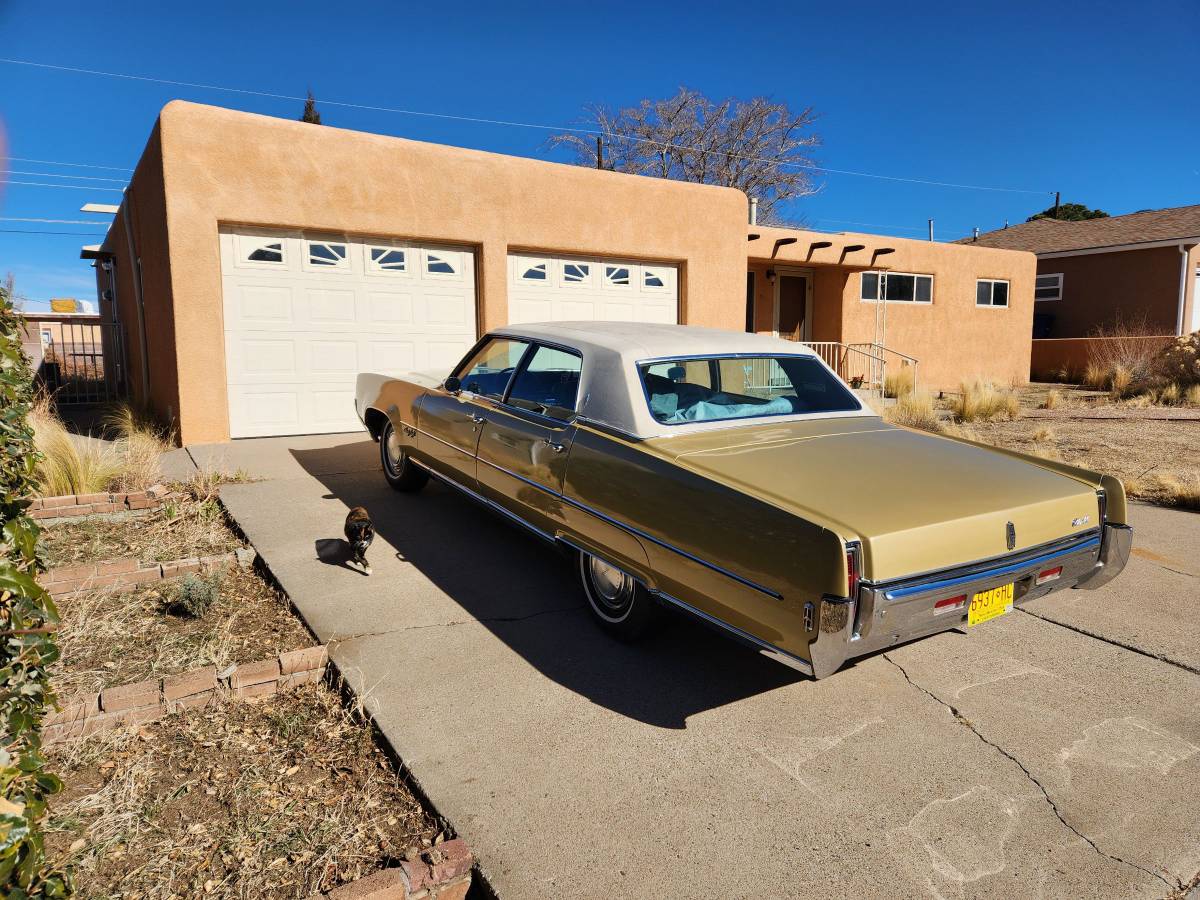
x=793, y=296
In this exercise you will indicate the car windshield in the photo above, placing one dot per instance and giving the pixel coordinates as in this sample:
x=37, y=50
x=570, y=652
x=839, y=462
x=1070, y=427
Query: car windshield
x=739, y=387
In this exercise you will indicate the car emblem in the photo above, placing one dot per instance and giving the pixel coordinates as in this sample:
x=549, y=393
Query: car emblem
x=1011, y=535
x=1081, y=520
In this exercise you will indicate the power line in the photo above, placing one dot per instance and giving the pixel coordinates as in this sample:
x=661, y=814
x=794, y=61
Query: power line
x=76, y=187
x=27, y=231
x=54, y=162
x=56, y=221
x=76, y=177
x=486, y=121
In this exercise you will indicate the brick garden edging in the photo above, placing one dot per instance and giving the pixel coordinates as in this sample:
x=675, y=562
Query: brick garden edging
x=66, y=581
x=146, y=701
x=442, y=872
x=72, y=506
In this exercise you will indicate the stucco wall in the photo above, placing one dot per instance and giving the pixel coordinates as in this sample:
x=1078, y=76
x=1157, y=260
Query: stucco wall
x=1137, y=287
x=144, y=204
x=952, y=338
x=221, y=166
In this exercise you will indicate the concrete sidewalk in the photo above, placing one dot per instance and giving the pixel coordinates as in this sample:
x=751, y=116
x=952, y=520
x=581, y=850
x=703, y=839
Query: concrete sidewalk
x=1028, y=758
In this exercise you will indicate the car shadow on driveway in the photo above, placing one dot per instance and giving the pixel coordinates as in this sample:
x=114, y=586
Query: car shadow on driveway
x=527, y=594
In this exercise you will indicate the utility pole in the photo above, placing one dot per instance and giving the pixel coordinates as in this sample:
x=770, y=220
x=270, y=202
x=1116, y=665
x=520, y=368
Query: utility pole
x=931, y=229
x=599, y=151
x=1057, y=198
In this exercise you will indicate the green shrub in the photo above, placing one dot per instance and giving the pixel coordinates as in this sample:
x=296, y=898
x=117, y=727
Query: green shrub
x=196, y=596
x=27, y=646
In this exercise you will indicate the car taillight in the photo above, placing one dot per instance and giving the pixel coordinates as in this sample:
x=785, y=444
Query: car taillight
x=950, y=603
x=852, y=574
x=1048, y=575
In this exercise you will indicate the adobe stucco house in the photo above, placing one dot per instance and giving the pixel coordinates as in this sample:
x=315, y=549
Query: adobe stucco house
x=1140, y=269
x=257, y=264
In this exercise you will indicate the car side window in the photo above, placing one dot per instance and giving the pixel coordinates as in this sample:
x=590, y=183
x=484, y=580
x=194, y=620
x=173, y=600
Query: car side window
x=488, y=372
x=548, y=384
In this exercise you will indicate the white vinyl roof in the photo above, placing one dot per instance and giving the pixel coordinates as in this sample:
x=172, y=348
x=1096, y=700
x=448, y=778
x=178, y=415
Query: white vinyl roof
x=610, y=389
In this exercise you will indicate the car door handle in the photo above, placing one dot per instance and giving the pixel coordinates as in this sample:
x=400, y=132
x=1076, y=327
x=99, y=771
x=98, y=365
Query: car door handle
x=477, y=418
x=556, y=447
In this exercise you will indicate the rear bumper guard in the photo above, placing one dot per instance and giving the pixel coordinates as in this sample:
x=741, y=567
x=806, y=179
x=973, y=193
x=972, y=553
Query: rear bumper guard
x=886, y=614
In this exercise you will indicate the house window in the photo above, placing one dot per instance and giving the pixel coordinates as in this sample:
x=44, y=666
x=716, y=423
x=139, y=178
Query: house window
x=989, y=292
x=440, y=263
x=897, y=287
x=576, y=273
x=652, y=279
x=326, y=255
x=535, y=272
x=388, y=259
x=616, y=275
x=1048, y=287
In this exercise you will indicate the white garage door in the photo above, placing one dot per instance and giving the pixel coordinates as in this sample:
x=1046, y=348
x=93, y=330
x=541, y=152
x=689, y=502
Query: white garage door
x=565, y=288
x=305, y=313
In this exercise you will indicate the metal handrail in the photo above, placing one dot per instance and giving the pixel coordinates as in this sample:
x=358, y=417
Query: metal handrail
x=872, y=357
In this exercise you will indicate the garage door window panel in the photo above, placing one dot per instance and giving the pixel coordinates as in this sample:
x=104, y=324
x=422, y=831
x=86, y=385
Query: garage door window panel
x=387, y=260
x=618, y=277
x=655, y=279
x=443, y=264
x=576, y=274
x=261, y=252
x=548, y=383
x=327, y=255
x=534, y=272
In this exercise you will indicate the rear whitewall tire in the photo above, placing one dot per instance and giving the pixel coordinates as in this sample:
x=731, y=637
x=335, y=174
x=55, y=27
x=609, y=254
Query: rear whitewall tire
x=619, y=603
x=400, y=471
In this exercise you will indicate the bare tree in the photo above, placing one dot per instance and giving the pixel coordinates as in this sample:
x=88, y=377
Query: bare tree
x=755, y=145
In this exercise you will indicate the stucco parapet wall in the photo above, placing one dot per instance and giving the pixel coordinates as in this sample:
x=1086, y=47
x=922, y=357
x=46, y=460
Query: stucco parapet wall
x=801, y=253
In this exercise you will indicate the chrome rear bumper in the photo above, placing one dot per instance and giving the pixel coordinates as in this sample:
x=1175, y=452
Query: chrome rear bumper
x=886, y=614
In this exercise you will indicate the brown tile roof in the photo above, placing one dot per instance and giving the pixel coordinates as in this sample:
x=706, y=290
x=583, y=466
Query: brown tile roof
x=1054, y=236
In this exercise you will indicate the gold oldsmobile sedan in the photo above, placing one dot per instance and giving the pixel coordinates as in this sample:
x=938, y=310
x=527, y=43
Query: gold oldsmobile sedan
x=737, y=477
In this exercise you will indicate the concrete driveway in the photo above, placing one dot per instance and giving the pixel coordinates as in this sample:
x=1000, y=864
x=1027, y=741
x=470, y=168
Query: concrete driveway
x=1052, y=753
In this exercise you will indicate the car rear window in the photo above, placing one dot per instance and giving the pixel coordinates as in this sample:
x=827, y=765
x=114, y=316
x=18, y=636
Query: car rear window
x=712, y=389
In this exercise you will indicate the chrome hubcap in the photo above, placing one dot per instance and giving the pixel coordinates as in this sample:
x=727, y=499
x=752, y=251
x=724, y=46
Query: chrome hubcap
x=393, y=451
x=611, y=584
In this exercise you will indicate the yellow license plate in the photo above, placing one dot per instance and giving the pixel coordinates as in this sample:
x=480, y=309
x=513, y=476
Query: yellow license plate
x=987, y=605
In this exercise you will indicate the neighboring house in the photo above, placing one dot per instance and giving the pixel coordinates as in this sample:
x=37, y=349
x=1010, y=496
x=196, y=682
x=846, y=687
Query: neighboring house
x=1139, y=270
x=277, y=259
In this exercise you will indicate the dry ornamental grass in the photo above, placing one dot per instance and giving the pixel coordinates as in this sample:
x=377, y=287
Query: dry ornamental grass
x=982, y=401
x=281, y=798
x=913, y=410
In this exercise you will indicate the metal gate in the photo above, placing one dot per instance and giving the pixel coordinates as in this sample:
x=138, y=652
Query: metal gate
x=80, y=360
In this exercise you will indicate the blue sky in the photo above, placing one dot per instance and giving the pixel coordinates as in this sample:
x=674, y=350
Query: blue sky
x=1096, y=100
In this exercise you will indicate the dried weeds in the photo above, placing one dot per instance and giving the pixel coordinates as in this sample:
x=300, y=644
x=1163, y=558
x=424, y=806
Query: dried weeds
x=108, y=637
x=182, y=527
x=281, y=798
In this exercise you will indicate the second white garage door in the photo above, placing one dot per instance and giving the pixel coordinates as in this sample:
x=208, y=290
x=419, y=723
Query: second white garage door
x=304, y=314
x=566, y=288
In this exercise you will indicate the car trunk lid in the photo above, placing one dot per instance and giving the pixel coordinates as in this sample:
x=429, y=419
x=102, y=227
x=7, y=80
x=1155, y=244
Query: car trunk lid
x=917, y=501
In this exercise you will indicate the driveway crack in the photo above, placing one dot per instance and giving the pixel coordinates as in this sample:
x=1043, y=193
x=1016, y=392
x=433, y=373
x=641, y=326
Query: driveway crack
x=966, y=723
x=482, y=621
x=1113, y=641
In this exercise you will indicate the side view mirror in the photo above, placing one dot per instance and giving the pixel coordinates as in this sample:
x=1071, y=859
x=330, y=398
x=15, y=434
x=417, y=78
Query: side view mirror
x=453, y=384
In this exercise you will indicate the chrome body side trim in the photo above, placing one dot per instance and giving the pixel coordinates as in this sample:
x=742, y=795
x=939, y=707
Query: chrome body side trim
x=763, y=647
x=637, y=532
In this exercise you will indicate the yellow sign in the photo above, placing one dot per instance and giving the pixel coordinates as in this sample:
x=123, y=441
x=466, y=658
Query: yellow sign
x=64, y=305
x=988, y=605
